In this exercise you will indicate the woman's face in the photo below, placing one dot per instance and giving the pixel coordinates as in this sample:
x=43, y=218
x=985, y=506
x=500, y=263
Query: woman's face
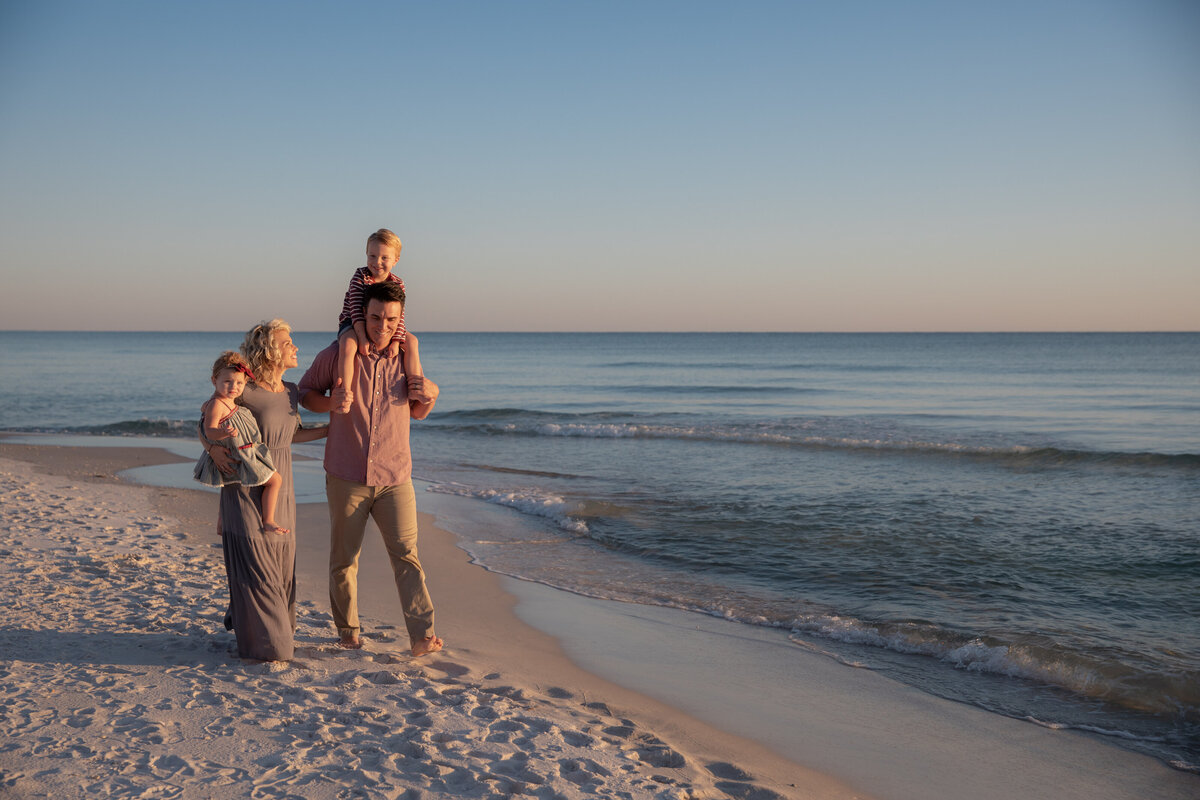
x=283, y=341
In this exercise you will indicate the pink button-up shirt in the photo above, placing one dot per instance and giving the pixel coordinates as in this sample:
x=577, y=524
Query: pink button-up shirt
x=370, y=444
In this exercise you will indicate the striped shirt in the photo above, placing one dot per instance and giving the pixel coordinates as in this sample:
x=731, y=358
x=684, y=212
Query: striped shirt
x=352, y=309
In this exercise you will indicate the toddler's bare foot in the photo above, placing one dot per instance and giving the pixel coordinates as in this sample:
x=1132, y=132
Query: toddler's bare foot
x=273, y=528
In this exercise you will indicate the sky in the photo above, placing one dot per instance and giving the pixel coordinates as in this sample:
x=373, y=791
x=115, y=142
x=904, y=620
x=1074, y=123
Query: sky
x=603, y=166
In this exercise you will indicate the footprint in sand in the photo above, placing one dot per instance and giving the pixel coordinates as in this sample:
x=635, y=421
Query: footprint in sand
x=381, y=678
x=582, y=771
x=657, y=753
x=537, y=724
x=485, y=712
x=221, y=726
x=420, y=719
x=622, y=731
x=81, y=718
x=406, y=702
x=31, y=721
x=577, y=739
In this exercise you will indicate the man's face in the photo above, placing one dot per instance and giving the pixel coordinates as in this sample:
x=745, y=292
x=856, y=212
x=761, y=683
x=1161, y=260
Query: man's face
x=383, y=320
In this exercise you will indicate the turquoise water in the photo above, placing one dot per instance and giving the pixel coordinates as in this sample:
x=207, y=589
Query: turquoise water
x=1006, y=519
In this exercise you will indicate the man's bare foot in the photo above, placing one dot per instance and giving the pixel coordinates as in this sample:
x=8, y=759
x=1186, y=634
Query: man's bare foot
x=272, y=528
x=430, y=644
x=350, y=641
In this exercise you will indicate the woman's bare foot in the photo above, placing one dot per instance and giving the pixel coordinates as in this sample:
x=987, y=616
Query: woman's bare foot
x=430, y=644
x=272, y=528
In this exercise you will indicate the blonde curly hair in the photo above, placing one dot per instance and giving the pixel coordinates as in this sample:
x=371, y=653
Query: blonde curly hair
x=260, y=350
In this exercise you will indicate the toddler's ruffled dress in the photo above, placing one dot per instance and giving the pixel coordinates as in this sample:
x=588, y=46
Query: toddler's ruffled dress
x=252, y=462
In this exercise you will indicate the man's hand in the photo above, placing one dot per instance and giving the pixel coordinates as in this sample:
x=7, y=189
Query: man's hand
x=422, y=390
x=341, y=398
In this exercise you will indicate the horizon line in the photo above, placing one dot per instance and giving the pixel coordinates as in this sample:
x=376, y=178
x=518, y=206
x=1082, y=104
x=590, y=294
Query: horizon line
x=637, y=332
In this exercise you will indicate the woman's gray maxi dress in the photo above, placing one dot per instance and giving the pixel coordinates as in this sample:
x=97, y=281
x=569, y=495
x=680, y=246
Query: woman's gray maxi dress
x=262, y=566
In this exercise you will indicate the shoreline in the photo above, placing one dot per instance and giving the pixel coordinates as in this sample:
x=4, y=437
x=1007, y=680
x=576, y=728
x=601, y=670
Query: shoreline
x=668, y=673
x=569, y=734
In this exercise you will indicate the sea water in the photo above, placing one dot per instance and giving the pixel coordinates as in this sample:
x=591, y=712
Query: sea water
x=1009, y=520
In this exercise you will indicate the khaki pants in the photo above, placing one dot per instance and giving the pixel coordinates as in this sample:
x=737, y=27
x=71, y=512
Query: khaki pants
x=394, y=509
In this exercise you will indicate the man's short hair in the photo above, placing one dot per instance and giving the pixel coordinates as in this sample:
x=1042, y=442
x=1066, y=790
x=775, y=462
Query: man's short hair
x=385, y=292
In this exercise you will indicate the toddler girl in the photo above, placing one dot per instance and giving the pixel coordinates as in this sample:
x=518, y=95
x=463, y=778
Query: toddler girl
x=222, y=419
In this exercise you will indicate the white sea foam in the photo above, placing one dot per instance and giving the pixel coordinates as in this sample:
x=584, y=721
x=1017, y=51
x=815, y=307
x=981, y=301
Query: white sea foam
x=972, y=656
x=746, y=435
x=527, y=501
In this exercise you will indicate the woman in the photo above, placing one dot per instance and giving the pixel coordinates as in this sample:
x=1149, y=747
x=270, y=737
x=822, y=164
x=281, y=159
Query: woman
x=261, y=566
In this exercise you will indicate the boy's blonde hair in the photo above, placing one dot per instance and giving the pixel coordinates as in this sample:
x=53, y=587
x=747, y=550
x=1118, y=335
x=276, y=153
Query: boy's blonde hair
x=385, y=237
x=230, y=360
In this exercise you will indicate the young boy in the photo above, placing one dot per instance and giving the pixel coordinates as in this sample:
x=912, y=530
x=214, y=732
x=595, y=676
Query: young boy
x=383, y=251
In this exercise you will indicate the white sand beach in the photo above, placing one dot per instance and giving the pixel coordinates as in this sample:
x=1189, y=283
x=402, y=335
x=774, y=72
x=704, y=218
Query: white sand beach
x=118, y=680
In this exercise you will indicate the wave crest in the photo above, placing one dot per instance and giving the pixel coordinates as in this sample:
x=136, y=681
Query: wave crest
x=1040, y=663
x=528, y=501
x=792, y=433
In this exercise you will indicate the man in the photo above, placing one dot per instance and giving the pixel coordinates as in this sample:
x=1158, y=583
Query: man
x=368, y=467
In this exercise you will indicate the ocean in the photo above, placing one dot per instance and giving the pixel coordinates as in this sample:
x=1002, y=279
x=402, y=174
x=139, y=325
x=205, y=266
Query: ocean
x=1008, y=520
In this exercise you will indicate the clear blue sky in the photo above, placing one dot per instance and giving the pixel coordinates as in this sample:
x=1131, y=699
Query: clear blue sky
x=604, y=165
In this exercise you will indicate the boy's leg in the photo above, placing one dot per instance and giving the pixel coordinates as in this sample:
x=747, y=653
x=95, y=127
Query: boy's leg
x=347, y=351
x=412, y=357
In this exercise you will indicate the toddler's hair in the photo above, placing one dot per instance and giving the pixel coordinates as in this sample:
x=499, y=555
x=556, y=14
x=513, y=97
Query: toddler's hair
x=230, y=360
x=386, y=238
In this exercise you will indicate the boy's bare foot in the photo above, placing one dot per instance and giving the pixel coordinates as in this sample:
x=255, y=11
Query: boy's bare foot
x=430, y=644
x=350, y=641
x=275, y=529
